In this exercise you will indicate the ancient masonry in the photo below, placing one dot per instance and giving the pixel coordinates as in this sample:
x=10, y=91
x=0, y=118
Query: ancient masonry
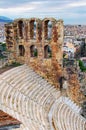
x=37, y=43
x=37, y=104
x=27, y=96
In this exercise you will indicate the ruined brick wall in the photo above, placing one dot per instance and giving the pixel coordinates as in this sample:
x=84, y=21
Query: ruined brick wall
x=37, y=48
x=73, y=85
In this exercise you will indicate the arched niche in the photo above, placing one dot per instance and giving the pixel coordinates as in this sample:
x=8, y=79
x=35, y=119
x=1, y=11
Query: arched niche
x=21, y=50
x=33, y=51
x=49, y=30
x=47, y=51
x=21, y=28
x=33, y=26
x=48, y=27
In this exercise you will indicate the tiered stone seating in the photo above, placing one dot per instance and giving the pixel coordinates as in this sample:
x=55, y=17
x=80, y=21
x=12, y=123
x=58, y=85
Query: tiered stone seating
x=66, y=119
x=33, y=101
x=71, y=104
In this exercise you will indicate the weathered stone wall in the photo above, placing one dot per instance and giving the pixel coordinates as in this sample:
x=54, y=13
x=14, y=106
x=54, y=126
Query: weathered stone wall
x=72, y=85
x=23, y=37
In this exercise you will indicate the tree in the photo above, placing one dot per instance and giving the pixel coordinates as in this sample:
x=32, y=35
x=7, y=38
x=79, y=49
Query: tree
x=81, y=65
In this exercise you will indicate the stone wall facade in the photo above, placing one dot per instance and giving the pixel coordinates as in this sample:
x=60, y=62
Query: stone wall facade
x=72, y=84
x=37, y=43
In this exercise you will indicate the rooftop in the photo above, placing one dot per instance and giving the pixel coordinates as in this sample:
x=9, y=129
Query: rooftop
x=6, y=120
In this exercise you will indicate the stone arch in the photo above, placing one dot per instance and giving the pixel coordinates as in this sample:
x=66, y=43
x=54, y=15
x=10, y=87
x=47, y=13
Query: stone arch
x=47, y=51
x=33, y=51
x=35, y=29
x=21, y=50
x=49, y=30
x=21, y=28
x=33, y=26
x=48, y=27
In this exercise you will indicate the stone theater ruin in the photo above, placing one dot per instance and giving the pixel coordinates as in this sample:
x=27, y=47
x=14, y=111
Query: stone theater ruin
x=31, y=92
x=37, y=43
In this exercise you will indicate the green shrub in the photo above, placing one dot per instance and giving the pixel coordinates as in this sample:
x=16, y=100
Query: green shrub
x=15, y=64
x=81, y=65
x=35, y=53
x=2, y=57
x=3, y=46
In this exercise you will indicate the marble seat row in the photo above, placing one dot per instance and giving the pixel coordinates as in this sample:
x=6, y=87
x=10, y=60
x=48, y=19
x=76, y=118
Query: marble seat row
x=27, y=123
x=66, y=119
x=29, y=98
x=71, y=104
x=20, y=80
x=22, y=103
x=18, y=102
x=20, y=74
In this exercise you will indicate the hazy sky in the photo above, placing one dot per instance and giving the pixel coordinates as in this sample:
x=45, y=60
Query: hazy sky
x=71, y=11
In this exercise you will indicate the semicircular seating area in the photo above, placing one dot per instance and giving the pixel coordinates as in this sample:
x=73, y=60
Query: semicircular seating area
x=29, y=98
x=65, y=118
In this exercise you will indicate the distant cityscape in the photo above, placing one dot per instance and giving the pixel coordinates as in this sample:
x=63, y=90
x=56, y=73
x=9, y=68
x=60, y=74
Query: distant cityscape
x=2, y=32
x=74, y=39
x=75, y=31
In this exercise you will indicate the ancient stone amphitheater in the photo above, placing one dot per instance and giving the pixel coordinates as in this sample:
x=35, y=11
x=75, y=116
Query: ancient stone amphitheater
x=29, y=98
x=31, y=92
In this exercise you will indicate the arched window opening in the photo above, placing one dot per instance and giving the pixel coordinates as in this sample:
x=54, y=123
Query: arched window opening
x=47, y=52
x=48, y=29
x=26, y=32
x=33, y=26
x=33, y=51
x=21, y=50
x=21, y=28
x=8, y=31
